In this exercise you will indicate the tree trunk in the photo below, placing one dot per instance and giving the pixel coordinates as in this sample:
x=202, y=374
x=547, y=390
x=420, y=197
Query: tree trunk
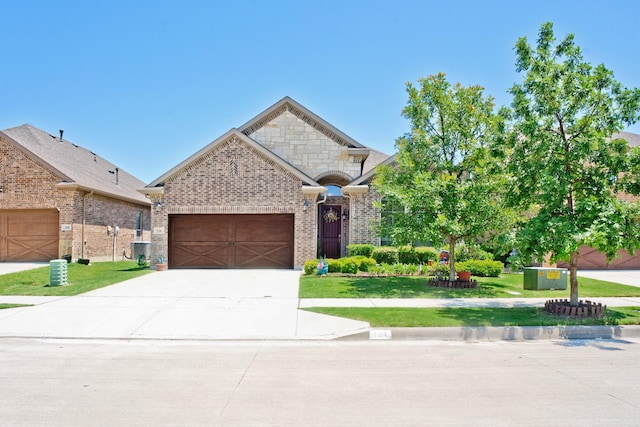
x=452, y=261
x=573, y=278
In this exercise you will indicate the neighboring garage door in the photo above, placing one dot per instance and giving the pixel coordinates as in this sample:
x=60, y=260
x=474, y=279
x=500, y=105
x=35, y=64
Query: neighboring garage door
x=591, y=259
x=28, y=235
x=231, y=241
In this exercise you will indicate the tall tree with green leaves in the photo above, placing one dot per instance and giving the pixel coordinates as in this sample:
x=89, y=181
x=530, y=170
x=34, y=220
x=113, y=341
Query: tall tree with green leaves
x=445, y=176
x=567, y=169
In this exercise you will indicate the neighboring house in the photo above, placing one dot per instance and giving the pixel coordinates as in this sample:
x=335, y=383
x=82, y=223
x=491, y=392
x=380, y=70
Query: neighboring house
x=281, y=189
x=57, y=199
x=591, y=259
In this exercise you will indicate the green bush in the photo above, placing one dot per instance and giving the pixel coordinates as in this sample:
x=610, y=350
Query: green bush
x=360, y=249
x=411, y=269
x=366, y=264
x=436, y=268
x=465, y=252
x=424, y=254
x=310, y=266
x=385, y=255
x=385, y=269
x=349, y=265
x=335, y=265
x=407, y=255
x=483, y=268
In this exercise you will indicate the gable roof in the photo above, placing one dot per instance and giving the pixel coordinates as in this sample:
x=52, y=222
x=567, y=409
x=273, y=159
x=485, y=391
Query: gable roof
x=159, y=182
x=368, y=175
x=309, y=117
x=76, y=166
x=633, y=139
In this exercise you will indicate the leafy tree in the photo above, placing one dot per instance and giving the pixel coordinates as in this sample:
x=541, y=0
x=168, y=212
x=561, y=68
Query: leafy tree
x=445, y=176
x=567, y=169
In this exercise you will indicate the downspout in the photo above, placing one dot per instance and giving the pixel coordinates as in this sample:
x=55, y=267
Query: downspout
x=84, y=207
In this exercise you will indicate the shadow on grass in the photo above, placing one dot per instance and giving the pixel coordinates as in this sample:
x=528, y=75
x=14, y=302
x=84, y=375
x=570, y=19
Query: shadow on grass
x=414, y=287
x=141, y=268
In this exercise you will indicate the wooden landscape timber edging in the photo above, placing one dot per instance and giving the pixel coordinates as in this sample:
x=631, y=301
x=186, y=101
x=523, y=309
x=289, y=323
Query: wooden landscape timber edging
x=458, y=284
x=562, y=307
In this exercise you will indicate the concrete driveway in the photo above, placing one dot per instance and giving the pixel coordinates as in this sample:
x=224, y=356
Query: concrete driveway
x=180, y=304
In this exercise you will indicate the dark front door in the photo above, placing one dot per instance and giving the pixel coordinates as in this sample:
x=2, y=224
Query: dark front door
x=330, y=230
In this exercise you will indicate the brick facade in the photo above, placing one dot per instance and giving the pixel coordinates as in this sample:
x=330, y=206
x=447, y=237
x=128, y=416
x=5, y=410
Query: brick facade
x=234, y=178
x=279, y=162
x=29, y=184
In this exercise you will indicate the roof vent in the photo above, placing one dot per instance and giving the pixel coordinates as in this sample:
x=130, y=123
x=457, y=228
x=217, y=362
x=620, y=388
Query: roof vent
x=61, y=132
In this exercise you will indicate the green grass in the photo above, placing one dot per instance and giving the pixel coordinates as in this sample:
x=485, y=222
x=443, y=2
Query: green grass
x=442, y=317
x=82, y=278
x=506, y=286
x=3, y=306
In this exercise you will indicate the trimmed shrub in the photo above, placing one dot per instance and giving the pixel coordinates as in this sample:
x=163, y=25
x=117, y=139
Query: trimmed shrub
x=363, y=249
x=436, y=268
x=407, y=255
x=367, y=264
x=466, y=252
x=483, y=268
x=349, y=265
x=424, y=254
x=462, y=266
x=310, y=266
x=385, y=255
x=335, y=265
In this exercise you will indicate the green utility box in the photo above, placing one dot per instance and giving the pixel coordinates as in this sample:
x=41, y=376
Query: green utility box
x=57, y=272
x=537, y=278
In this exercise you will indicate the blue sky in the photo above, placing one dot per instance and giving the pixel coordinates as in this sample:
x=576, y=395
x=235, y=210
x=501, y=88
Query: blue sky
x=146, y=84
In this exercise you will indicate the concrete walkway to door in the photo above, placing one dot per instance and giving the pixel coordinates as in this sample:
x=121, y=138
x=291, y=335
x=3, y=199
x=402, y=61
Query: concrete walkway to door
x=181, y=304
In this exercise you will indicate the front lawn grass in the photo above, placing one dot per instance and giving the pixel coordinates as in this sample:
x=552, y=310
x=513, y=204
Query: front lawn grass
x=474, y=317
x=3, y=306
x=505, y=286
x=82, y=278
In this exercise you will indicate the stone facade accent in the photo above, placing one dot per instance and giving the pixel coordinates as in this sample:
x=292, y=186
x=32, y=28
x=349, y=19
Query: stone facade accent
x=28, y=184
x=305, y=147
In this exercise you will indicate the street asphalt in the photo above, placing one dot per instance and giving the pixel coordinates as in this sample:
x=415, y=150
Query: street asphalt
x=253, y=305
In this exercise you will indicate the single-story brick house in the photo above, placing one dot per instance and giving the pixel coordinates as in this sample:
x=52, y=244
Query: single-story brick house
x=57, y=199
x=279, y=190
x=591, y=259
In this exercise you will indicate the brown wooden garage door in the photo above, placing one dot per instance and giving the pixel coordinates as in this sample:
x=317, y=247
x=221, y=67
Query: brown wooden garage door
x=231, y=241
x=591, y=259
x=28, y=235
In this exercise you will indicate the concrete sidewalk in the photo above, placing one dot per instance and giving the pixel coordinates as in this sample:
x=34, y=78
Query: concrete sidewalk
x=246, y=304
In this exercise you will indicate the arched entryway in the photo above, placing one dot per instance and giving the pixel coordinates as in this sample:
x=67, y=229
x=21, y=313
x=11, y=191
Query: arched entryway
x=333, y=218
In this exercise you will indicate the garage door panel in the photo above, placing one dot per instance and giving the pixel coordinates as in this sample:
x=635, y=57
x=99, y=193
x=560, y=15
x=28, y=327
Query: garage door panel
x=28, y=235
x=31, y=249
x=591, y=259
x=200, y=229
x=231, y=241
x=201, y=255
x=263, y=255
x=263, y=228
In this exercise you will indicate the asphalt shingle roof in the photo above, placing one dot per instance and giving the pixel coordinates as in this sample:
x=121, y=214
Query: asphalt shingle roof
x=75, y=164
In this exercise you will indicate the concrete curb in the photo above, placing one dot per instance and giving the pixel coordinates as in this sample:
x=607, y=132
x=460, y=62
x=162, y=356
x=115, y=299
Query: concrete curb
x=508, y=333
